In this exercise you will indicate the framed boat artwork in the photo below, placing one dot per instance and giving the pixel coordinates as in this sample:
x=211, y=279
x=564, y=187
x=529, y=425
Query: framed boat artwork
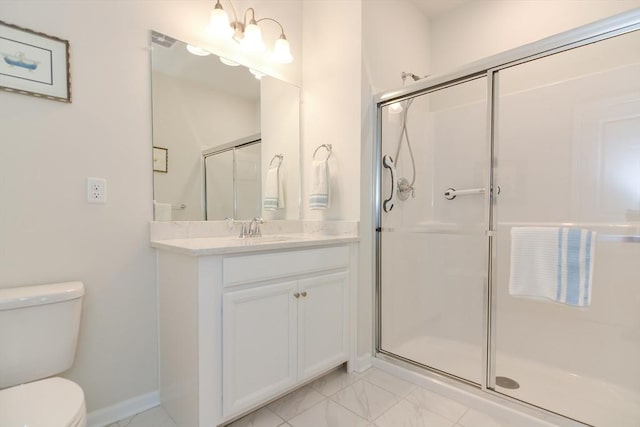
x=33, y=63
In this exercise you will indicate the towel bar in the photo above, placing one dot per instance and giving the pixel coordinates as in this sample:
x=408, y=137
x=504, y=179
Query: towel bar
x=180, y=206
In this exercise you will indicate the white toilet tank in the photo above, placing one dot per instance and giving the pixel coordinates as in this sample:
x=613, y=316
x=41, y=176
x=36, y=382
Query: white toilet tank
x=38, y=331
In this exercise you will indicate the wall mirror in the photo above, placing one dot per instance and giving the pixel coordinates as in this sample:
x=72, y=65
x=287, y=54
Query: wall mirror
x=226, y=139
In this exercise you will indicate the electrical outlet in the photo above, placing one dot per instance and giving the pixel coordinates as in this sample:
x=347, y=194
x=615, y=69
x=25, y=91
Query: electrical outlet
x=96, y=190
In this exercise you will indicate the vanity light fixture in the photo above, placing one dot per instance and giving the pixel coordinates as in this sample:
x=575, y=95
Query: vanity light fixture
x=247, y=33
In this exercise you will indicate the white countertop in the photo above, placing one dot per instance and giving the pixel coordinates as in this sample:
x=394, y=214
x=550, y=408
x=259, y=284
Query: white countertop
x=222, y=245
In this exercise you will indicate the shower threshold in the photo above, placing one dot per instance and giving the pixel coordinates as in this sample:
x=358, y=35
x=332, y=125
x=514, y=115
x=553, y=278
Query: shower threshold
x=578, y=397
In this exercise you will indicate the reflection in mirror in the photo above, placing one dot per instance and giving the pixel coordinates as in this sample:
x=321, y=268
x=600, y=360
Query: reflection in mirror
x=221, y=127
x=232, y=180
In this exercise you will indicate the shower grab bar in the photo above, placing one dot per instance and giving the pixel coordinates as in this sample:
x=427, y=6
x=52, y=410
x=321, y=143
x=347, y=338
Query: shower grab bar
x=461, y=231
x=621, y=238
x=605, y=232
x=470, y=231
x=451, y=193
x=387, y=162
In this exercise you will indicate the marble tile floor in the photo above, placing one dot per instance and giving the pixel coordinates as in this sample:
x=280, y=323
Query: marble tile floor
x=373, y=398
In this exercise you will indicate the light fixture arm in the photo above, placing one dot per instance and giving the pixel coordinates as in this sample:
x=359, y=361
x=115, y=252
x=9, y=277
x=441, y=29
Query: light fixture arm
x=233, y=9
x=282, y=36
x=253, y=17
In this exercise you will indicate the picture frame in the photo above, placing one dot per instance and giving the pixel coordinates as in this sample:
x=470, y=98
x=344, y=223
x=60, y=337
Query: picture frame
x=160, y=159
x=33, y=63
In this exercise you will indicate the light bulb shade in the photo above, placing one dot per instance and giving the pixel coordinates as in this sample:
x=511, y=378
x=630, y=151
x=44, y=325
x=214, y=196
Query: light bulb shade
x=282, y=51
x=219, y=26
x=252, y=40
x=257, y=74
x=228, y=62
x=197, y=50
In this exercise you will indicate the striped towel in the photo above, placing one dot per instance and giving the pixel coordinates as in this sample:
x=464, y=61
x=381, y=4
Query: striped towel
x=552, y=263
x=319, y=196
x=274, y=191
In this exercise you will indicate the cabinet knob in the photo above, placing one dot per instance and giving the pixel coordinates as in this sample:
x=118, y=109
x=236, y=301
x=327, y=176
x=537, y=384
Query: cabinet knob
x=304, y=293
x=297, y=295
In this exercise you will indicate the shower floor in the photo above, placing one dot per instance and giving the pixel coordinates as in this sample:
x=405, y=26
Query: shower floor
x=583, y=398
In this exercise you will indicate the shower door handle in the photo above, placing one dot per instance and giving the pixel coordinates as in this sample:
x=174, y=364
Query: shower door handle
x=387, y=162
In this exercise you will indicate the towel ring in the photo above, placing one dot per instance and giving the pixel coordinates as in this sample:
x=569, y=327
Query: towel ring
x=327, y=146
x=279, y=157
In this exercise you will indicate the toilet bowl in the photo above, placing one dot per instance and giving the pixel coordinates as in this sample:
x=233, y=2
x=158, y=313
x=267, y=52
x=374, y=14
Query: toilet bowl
x=38, y=334
x=54, y=402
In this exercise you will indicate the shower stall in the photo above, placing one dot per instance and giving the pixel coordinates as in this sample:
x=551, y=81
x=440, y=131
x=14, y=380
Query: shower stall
x=540, y=139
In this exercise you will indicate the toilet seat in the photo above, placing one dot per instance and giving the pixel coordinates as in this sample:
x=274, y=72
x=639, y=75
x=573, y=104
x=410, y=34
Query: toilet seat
x=53, y=402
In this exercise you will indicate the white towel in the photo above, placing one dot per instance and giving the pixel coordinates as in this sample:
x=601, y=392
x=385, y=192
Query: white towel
x=319, y=197
x=161, y=211
x=552, y=263
x=273, y=190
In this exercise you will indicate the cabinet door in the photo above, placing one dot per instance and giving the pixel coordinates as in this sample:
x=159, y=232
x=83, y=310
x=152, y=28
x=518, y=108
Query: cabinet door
x=322, y=313
x=259, y=342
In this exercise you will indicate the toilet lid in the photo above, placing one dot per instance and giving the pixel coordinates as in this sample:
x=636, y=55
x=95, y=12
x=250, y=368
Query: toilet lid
x=54, y=402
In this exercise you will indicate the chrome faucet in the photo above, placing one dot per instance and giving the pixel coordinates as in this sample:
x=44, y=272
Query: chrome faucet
x=244, y=230
x=255, y=231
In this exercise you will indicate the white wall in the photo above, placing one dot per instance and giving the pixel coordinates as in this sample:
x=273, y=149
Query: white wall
x=478, y=29
x=280, y=107
x=387, y=52
x=331, y=102
x=48, y=231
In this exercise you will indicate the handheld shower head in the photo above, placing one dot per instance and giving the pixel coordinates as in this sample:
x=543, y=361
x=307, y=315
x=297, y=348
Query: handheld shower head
x=415, y=78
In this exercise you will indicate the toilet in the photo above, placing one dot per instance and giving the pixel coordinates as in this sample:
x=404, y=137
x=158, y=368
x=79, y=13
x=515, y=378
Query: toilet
x=38, y=335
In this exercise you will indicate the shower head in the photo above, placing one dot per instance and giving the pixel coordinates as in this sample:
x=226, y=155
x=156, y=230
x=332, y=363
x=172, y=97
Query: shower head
x=415, y=78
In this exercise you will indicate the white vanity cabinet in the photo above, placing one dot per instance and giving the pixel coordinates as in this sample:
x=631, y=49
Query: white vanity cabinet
x=284, y=320
x=276, y=335
x=239, y=329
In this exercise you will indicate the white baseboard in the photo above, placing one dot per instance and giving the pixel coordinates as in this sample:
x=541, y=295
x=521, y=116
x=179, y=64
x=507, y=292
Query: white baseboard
x=121, y=410
x=364, y=362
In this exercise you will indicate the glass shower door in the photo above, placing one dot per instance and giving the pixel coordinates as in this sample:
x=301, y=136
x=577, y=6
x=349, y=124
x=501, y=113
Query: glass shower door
x=567, y=331
x=432, y=240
